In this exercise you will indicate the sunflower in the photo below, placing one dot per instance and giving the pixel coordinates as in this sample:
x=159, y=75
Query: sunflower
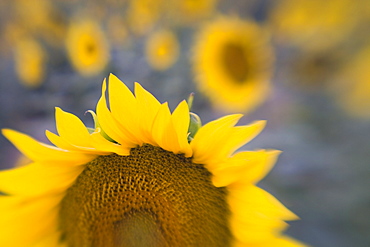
x=117, y=31
x=30, y=62
x=162, y=49
x=232, y=63
x=187, y=12
x=41, y=18
x=352, y=87
x=138, y=178
x=333, y=19
x=143, y=15
x=87, y=47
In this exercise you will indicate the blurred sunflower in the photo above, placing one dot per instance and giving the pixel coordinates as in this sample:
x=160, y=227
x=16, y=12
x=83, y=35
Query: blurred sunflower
x=36, y=13
x=29, y=62
x=332, y=21
x=87, y=47
x=162, y=49
x=41, y=18
x=143, y=15
x=187, y=12
x=117, y=31
x=140, y=179
x=232, y=63
x=313, y=70
x=353, y=85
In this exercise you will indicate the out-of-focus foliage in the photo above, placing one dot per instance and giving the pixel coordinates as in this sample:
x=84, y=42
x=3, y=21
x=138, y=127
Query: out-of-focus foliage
x=304, y=65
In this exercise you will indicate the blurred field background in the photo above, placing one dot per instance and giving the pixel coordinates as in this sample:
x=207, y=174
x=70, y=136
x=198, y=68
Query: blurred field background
x=303, y=65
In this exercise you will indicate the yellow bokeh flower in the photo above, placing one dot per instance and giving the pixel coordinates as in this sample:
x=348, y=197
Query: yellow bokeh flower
x=314, y=24
x=232, y=63
x=41, y=18
x=187, y=12
x=87, y=47
x=36, y=14
x=312, y=70
x=29, y=62
x=162, y=49
x=352, y=86
x=142, y=15
x=117, y=31
x=139, y=178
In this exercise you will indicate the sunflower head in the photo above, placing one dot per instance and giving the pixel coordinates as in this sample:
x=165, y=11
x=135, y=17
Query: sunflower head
x=352, y=87
x=144, y=14
x=87, y=47
x=34, y=15
x=232, y=63
x=137, y=180
x=117, y=30
x=162, y=49
x=190, y=12
x=30, y=62
x=314, y=24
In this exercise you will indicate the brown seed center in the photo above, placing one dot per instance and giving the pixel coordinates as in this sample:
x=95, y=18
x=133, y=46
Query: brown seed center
x=150, y=198
x=235, y=62
x=90, y=48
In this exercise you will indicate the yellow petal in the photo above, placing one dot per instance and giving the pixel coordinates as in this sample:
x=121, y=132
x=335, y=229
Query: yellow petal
x=44, y=153
x=124, y=108
x=110, y=126
x=94, y=143
x=239, y=136
x=210, y=137
x=29, y=220
x=38, y=179
x=58, y=141
x=147, y=108
x=164, y=134
x=52, y=240
x=253, y=200
x=100, y=143
x=244, y=167
x=181, y=120
x=71, y=129
x=282, y=241
x=279, y=241
x=9, y=202
x=256, y=214
x=256, y=230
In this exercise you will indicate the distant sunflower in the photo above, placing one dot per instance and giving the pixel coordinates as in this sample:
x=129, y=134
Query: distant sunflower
x=162, y=49
x=41, y=18
x=312, y=70
x=292, y=20
x=353, y=86
x=117, y=30
x=140, y=179
x=191, y=11
x=144, y=14
x=232, y=63
x=87, y=47
x=30, y=61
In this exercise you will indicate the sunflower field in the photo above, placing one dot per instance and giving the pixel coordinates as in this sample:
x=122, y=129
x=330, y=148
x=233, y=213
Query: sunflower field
x=184, y=123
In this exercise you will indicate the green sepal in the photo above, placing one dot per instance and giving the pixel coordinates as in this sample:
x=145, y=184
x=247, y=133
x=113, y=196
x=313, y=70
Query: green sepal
x=97, y=125
x=194, y=125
